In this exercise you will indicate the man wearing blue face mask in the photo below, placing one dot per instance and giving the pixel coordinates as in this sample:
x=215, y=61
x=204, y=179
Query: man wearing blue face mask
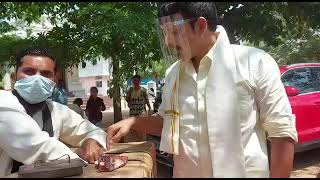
x=34, y=128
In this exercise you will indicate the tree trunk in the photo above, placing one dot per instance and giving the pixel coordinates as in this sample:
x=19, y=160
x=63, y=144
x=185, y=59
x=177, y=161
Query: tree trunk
x=116, y=97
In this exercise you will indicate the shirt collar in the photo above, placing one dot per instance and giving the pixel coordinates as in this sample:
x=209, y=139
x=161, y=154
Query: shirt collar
x=222, y=37
x=210, y=56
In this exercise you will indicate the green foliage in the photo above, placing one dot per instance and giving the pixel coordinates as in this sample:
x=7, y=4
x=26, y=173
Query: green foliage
x=297, y=51
x=2, y=72
x=124, y=32
x=120, y=30
x=270, y=22
x=10, y=45
x=5, y=27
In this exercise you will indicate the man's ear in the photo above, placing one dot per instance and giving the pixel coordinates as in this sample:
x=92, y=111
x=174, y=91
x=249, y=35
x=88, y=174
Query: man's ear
x=13, y=77
x=202, y=25
x=13, y=81
x=55, y=78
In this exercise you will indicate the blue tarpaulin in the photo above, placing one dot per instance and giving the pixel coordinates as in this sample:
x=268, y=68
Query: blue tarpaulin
x=143, y=81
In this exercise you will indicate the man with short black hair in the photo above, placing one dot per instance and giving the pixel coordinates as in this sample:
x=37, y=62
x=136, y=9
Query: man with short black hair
x=34, y=128
x=94, y=107
x=76, y=106
x=220, y=101
x=137, y=98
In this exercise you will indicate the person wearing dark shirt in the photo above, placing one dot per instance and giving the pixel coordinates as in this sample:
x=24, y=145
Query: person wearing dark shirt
x=59, y=93
x=94, y=107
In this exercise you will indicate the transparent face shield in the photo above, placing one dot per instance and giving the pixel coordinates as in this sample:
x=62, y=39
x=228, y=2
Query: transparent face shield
x=174, y=32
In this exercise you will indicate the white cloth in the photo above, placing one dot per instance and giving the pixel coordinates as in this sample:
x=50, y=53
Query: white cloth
x=21, y=136
x=244, y=99
x=194, y=142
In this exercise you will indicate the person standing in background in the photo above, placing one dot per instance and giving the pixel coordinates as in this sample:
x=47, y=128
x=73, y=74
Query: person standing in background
x=137, y=100
x=94, y=107
x=76, y=106
x=60, y=94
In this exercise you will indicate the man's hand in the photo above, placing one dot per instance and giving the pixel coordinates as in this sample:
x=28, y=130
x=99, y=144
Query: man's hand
x=89, y=150
x=118, y=130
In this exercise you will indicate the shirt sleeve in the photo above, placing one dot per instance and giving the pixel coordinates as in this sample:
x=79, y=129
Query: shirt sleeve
x=102, y=105
x=75, y=130
x=145, y=96
x=81, y=112
x=87, y=105
x=23, y=140
x=273, y=103
x=128, y=95
x=164, y=95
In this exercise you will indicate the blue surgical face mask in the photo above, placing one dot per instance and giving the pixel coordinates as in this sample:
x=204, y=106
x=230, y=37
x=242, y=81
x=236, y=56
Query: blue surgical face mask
x=34, y=89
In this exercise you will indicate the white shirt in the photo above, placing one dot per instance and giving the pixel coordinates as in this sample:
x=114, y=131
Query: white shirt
x=194, y=159
x=245, y=99
x=21, y=136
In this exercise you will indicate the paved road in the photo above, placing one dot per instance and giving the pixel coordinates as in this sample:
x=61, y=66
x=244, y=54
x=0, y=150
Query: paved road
x=306, y=164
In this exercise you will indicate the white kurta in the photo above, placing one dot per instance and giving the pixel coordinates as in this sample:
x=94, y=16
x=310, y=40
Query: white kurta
x=21, y=136
x=194, y=158
x=244, y=99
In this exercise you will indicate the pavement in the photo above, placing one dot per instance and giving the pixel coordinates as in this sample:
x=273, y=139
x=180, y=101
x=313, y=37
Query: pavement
x=306, y=164
x=108, y=119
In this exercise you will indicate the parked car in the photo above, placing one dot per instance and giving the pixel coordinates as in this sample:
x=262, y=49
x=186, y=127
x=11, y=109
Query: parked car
x=302, y=85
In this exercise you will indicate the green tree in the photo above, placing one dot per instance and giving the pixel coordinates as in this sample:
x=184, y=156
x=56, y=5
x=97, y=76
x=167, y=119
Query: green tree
x=125, y=31
x=297, y=50
x=122, y=31
x=270, y=22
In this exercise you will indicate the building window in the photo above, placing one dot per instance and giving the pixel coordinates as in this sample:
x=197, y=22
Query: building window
x=98, y=83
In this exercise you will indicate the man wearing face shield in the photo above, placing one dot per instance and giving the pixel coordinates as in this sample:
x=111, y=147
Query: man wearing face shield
x=32, y=127
x=220, y=103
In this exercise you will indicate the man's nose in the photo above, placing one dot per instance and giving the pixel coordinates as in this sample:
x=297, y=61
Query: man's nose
x=38, y=72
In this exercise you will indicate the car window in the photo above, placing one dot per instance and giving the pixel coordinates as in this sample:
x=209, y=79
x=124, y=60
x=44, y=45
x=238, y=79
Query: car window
x=315, y=75
x=299, y=78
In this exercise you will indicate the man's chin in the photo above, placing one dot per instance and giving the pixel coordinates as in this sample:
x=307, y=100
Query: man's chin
x=184, y=59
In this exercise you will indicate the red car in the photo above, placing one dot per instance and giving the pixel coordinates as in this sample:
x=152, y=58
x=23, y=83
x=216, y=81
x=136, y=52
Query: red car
x=302, y=84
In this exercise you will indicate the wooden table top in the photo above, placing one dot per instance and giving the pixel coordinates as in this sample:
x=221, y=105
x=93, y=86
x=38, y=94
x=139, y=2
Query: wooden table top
x=140, y=165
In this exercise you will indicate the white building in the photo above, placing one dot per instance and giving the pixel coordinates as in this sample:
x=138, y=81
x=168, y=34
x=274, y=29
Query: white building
x=80, y=80
x=24, y=30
